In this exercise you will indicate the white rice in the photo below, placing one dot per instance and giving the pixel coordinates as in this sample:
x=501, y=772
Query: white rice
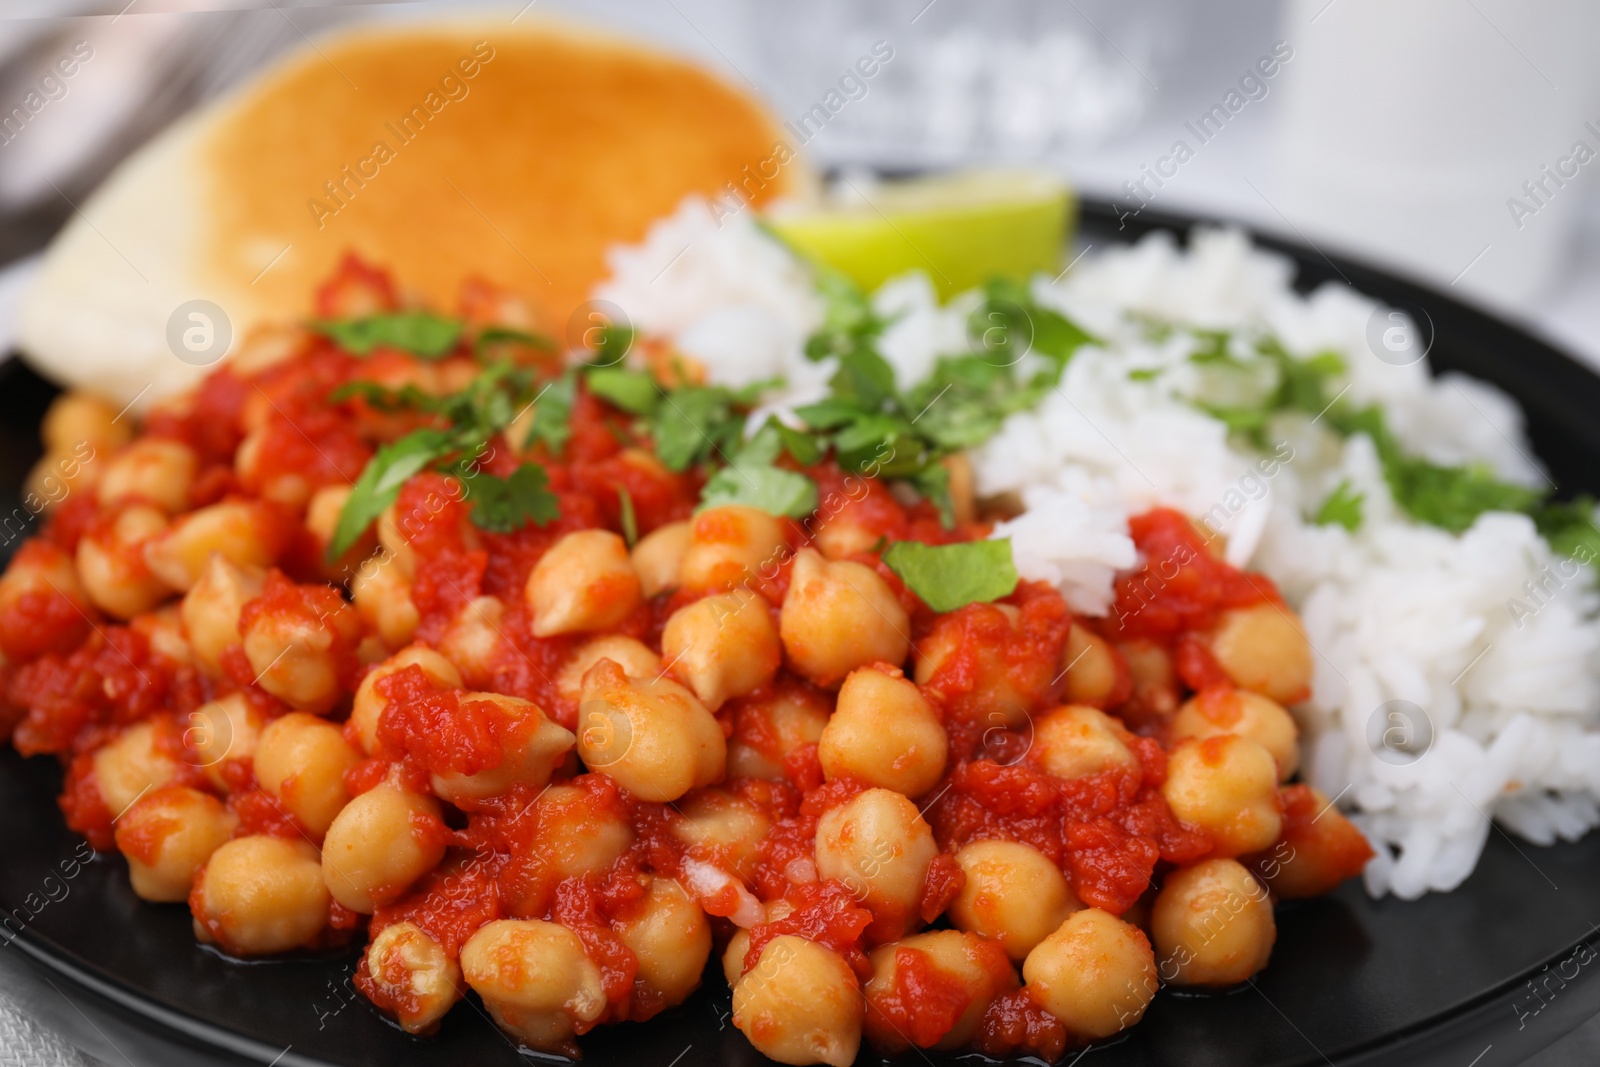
x=1506, y=674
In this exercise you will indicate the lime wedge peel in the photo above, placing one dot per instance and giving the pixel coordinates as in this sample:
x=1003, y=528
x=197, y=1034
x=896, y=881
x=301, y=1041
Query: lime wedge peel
x=961, y=228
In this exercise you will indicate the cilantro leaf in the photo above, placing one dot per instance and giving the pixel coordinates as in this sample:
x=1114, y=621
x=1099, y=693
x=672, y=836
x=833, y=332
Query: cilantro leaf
x=804, y=447
x=422, y=333
x=630, y=521
x=1010, y=324
x=502, y=505
x=633, y=391
x=1450, y=498
x=381, y=480
x=693, y=424
x=552, y=413
x=933, y=482
x=850, y=326
x=1569, y=526
x=1342, y=507
x=776, y=491
x=496, y=335
x=948, y=577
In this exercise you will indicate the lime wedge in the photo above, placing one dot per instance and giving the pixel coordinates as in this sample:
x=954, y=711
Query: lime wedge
x=961, y=229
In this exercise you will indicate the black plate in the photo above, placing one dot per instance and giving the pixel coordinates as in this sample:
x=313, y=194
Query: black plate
x=1481, y=977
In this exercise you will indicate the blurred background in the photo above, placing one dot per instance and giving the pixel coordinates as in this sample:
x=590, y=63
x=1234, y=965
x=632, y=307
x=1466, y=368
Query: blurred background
x=1447, y=139
x=1452, y=140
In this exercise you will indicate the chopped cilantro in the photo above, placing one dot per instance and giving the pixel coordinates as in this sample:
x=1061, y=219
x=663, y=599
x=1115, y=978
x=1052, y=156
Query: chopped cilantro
x=493, y=336
x=771, y=489
x=1011, y=323
x=1451, y=498
x=381, y=481
x=948, y=577
x=695, y=424
x=630, y=522
x=634, y=391
x=552, y=413
x=502, y=505
x=422, y=333
x=1343, y=508
x=1570, y=528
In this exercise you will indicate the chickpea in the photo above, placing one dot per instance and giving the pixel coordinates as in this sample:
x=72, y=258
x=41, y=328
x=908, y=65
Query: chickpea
x=977, y=965
x=800, y=1004
x=575, y=836
x=60, y=472
x=260, y=895
x=973, y=645
x=322, y=520
x=1261, y=719
x=133, y=763
x=534, y=747
x=394, y=544
x=75, y=416
x=268, y=346
x=840, y=616
x=770, y=729
x=153, y=471
x=844, y=534
x=111, y=564
x=248, y=533
x=652, y=736
x=378, y=844
x=163, y=628
x=585, y=582
x=536, y=981
x=631, y=654
x=43, y=606
x=884, y=732
x=381, y=590
x=1228, y=787
x=289, y=488
x=413, y=975
x=879, y=846
x=672, y=939
x=1013, y=894
x=1072, y=742
x=223, y=729
x=723, y=828
x=1095, y=674
x=298, y=654
x=368, y=704
x=322, y=514
x=722, y=646
x=476, y=638
x=658, y=555
x=1212, y=924
x=167, y=836
x=1263, y=648
x=1154, y=680
x=210, y=610
x=1096, y=973
x=301, y=760
x=731, y=545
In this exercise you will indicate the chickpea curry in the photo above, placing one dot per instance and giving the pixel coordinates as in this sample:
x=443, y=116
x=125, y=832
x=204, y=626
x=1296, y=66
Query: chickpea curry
x=409, y=631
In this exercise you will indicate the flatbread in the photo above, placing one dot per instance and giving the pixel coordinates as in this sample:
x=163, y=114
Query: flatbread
x=516, y=153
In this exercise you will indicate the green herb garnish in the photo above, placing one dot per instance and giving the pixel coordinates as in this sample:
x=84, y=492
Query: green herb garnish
x=1342, y=508
x=630, y=522
x=948, y=577
x=422, y=333
x=502, y=505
